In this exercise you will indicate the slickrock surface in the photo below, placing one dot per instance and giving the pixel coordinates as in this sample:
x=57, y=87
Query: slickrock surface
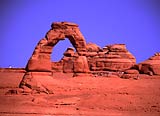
x=89, y=96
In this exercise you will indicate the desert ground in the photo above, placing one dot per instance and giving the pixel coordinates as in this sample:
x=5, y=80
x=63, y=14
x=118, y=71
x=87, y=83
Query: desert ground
x=81, y=96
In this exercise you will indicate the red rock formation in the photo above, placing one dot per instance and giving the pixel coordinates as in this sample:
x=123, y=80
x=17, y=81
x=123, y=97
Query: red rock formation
x=91, y=47
x=81, y=65
x=150, y=66
x=112, y=57
x=41, y=58
x=130, y=73
x=86, y=58
x=40, y=62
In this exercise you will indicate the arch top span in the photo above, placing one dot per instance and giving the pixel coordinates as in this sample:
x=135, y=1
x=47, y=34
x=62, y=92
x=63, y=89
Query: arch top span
x=61, y=25
x=61, y=30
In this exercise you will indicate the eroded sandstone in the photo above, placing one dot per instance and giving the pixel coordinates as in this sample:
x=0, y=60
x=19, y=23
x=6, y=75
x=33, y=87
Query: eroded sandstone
x=40, y=60
x=83, y=59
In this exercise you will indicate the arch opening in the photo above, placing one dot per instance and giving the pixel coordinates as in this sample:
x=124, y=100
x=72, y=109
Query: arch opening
x=59, y=49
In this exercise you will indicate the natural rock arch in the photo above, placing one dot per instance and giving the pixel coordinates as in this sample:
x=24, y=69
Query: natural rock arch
x=88, y=58
x=38, y=76
x=41, y=57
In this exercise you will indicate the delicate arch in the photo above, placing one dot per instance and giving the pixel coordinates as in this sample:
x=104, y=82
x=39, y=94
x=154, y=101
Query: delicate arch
x=41, y=57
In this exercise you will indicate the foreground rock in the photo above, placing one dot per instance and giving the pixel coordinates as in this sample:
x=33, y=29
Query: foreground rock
x=99, y=96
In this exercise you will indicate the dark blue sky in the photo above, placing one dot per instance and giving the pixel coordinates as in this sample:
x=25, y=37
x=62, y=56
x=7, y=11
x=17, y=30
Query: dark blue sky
x=132, y=22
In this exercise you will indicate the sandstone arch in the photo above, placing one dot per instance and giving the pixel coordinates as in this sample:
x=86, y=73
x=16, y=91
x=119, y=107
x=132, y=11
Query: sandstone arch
x=41, y=58
x=87, y=58
x=38, y=76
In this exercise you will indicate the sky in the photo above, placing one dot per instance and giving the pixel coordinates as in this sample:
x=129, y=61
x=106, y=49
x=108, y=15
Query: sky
x=23, y=23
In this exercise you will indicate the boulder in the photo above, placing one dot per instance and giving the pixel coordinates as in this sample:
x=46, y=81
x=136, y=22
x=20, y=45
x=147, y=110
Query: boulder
x=81, y=65
x=128, y=76
x=68, y=63
x=117, y=48
x=91, y=47
x=69, y=52
x=131, y=71
x=57, y=66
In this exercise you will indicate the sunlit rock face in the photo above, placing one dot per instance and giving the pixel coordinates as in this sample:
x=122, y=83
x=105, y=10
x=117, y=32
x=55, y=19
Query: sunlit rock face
x=111, y=58
x=41, y=57
x=80, y=60
x=39, y=67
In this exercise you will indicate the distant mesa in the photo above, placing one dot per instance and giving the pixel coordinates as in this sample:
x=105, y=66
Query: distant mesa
x=88, y=59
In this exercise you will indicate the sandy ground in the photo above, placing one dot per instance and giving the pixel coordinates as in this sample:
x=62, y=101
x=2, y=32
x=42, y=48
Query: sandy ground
x=83, y=96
